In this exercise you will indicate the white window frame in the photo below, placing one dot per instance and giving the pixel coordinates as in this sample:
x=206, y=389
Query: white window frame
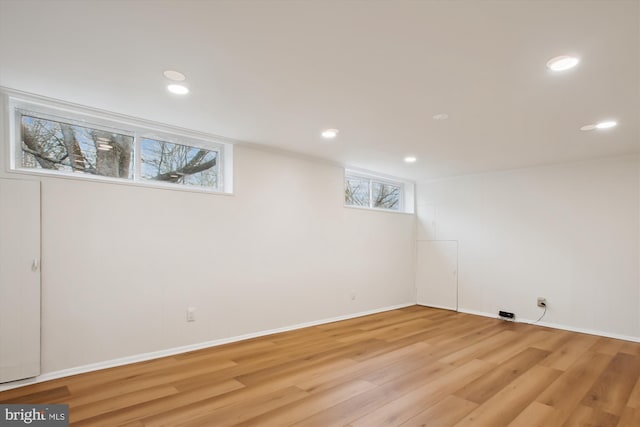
x=18, y=104
x=406, y=191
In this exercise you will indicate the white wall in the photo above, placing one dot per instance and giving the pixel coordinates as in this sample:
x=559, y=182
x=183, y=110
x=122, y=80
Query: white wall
x=121, y=264
x=566, y=232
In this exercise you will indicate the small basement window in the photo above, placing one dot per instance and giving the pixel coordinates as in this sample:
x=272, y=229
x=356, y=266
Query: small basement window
x=369, y=191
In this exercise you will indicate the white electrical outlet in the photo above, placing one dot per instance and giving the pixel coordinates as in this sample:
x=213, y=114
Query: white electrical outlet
x=353, y=295
x=191, y=314
x=542, y=302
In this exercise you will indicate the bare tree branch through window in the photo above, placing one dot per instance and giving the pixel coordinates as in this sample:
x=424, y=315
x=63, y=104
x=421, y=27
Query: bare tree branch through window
x=369, y=192
x=60, y=146
x=49, y=144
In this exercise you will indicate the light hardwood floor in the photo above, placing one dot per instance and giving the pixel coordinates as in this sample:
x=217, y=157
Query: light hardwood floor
x=415, y=366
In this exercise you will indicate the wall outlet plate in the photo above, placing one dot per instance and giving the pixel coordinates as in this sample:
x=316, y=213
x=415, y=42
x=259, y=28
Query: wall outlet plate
x=542, y=302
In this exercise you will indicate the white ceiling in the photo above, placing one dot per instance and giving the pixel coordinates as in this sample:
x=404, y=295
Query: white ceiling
x=279, y=72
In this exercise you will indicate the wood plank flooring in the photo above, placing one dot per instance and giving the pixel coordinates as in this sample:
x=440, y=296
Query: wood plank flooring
x=415, y=366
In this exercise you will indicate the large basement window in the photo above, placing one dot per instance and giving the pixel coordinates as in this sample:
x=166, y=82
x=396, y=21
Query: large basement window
x=59, y=145
x=369, y=191
x=53, y=140
x=180, y=164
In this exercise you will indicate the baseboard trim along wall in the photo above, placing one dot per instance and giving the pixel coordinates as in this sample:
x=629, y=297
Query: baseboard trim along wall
x=557, y=326
x=207, y=344
x=185, y=349
x=441, y=307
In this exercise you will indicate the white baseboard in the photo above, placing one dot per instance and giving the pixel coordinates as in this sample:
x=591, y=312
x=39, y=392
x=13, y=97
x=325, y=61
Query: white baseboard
x=184, y=349
x=441, y=307
x=557, y=326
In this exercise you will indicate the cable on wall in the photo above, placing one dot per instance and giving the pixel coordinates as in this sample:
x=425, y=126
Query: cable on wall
x=543, y=313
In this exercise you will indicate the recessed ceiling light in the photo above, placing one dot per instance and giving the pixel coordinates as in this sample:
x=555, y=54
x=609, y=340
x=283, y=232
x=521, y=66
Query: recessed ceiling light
x=561, y=63
x=330, y=133
x=600, y=125
x=606, y=125
x=441, y=116
x=410, y=159
x=175, y=76
x=178, y=89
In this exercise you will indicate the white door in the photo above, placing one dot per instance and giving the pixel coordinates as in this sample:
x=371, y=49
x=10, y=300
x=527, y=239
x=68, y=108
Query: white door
x=19, y=279
x=437, y=273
